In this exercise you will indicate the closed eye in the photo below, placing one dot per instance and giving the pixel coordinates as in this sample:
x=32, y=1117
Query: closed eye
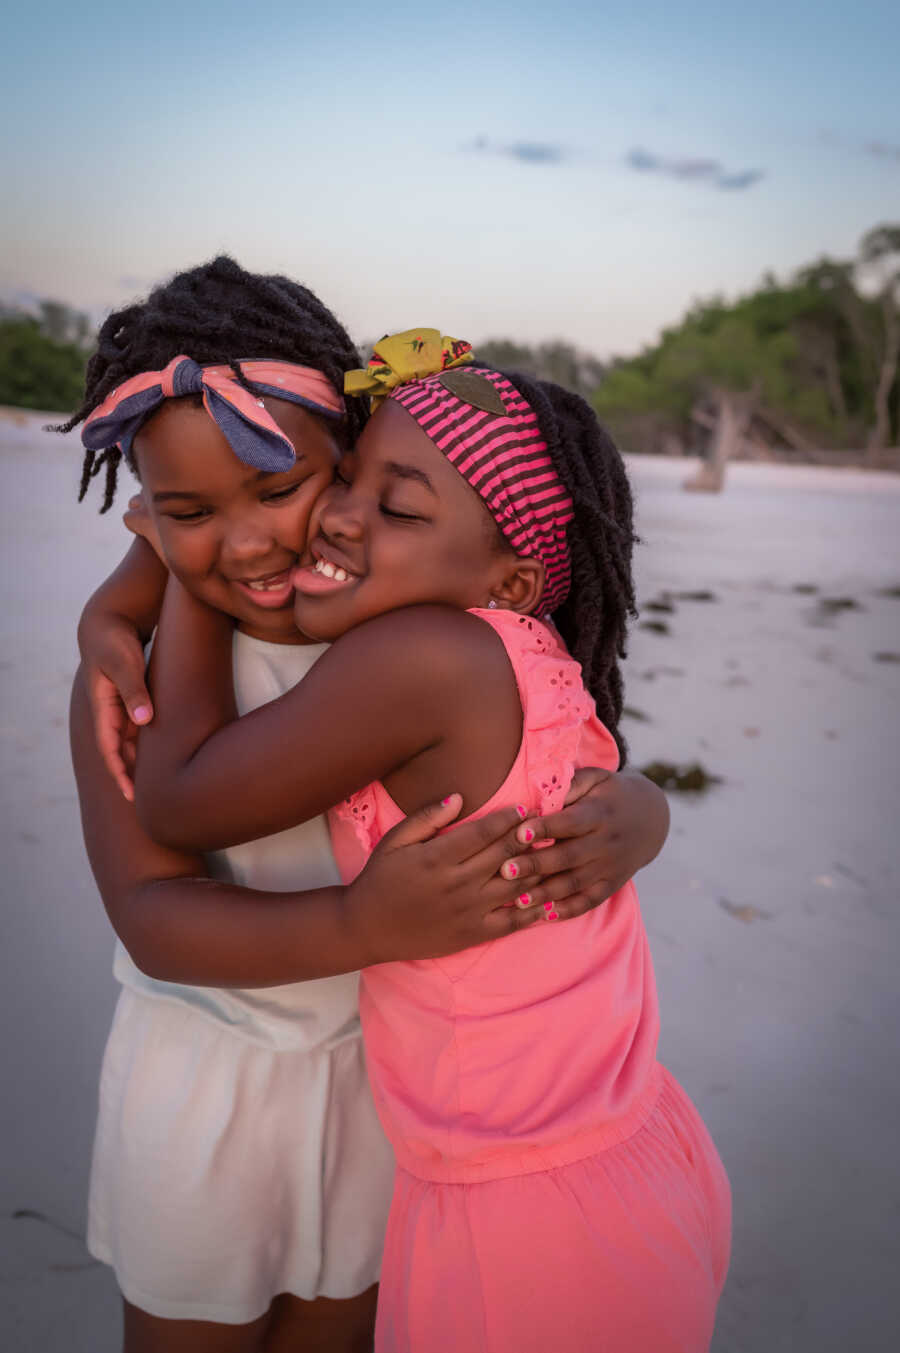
x=400, y=516
x=281, y=493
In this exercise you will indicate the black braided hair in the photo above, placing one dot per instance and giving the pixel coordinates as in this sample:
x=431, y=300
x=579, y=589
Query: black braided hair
x=593, y=620
x=216, y=314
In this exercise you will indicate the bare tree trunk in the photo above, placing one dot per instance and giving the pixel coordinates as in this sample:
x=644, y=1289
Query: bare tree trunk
x=732, y=417
x=881, y=432
x=834, y=386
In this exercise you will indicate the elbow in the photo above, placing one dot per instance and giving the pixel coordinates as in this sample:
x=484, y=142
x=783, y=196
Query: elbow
x=147, y=961
x=161, y=814
x=137, y=937
x=160, y=824
x=146, y=936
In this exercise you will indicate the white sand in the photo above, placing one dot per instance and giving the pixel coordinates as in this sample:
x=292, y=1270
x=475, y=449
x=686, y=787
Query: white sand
x=779, y=1015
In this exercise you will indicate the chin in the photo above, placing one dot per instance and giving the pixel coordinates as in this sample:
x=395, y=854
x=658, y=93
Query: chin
x=322, y=628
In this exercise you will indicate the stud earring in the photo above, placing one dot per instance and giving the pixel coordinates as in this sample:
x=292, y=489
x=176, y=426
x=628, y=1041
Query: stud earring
x=492, y=605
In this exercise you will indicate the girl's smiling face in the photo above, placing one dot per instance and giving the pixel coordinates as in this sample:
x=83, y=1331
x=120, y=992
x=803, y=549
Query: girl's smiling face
x=233, y=535
x=401, y=526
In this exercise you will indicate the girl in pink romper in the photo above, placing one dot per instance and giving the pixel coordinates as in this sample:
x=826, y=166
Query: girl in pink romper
x=556, y=1189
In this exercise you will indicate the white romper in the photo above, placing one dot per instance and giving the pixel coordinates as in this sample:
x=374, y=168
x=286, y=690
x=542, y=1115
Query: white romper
x=238, y=1154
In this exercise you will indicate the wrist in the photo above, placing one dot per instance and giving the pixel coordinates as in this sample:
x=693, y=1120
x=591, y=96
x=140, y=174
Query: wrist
x=101, y=631
x=359, y=933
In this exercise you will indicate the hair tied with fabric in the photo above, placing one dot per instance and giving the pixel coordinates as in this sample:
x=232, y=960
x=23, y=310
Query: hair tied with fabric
x=399, y=359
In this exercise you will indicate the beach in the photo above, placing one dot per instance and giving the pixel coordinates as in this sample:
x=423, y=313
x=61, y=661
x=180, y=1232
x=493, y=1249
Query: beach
x=773, y=660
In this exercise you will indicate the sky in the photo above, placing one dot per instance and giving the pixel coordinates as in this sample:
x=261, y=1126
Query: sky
x=571, y=170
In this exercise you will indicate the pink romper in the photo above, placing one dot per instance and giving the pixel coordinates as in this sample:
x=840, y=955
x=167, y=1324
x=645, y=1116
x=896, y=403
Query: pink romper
x=556, y=1189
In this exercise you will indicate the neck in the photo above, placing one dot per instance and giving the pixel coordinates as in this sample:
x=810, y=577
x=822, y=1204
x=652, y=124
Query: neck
x=292, y=637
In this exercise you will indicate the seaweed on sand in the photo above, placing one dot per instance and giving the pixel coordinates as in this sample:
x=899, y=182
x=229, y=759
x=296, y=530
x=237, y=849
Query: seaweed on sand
x=692, y=778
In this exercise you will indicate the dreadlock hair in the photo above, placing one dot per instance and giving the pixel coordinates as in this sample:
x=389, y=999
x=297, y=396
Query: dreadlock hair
x=216, y=314
x=593, y=620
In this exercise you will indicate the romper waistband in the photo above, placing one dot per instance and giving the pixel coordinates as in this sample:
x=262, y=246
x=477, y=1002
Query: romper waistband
x=531, y=1159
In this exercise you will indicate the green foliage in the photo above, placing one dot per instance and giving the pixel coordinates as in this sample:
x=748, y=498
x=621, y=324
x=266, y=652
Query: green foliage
x=814, y=355
x=42, y=360
x=554, y=361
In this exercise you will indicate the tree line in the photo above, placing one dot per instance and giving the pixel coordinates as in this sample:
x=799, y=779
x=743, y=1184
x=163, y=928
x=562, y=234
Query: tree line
x=811, y=362
x=43, y=356
x=807, y=363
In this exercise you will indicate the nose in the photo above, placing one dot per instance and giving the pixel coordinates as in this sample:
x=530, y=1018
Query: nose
x=248, y=536
x=340, y=515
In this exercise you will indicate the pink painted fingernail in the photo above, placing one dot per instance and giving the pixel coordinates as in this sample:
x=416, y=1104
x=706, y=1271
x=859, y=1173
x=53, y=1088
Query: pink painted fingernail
x=523, y=900
x=527, y=835
x=444, y=802
x=548, y=906
x=522, y=811
x=552, y=915
x=141, y=713
x=510, y=870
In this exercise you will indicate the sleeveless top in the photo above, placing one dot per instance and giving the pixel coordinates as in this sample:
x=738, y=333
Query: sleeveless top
x=533, y=1050
x=303, y=1015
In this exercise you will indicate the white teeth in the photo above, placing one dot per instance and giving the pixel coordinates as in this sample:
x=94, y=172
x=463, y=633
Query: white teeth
x=340, y=575
x=264, y=585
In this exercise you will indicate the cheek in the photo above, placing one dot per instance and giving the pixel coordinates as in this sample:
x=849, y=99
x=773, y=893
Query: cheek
x=188, y=552
x=311, y=501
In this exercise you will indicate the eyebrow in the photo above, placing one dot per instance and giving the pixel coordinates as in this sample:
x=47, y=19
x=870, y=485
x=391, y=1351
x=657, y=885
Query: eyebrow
x=410, y=472
x=168, y=497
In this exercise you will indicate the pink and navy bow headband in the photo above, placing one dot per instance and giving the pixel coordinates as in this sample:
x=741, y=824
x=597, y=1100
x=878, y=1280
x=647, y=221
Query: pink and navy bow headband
x=251, y=431
x=490, y=433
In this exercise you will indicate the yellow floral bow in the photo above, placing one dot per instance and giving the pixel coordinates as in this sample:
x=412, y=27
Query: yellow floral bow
x=401, y=358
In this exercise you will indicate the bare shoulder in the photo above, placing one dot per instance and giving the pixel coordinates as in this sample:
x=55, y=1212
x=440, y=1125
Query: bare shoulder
x=440, y=643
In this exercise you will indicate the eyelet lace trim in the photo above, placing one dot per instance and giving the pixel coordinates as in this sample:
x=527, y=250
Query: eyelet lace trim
x=359, y=811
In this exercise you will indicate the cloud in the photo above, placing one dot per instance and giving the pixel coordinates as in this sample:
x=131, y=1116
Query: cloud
x=527, y=152
x=696, y=169
x=883, y=150
x=688, y=168
x=879, y=150
x=735, y=182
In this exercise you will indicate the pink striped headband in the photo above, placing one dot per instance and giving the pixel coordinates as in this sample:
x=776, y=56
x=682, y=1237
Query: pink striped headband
x=490, y=433
x=252, y=432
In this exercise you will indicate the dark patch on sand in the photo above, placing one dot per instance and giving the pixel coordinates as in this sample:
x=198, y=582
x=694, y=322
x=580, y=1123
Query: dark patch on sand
x=30, y=1214
x=827, y=609
x=702, y=594
x=744, y=912
x=805, y=589
x=630, y=712
x=892, y=591
x=834, y=605
x=655, y=626
x=886, y=656
x=688, y=779
x=661, y=605
x=850, y=874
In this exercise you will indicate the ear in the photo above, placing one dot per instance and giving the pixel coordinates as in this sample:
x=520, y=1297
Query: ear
x=518, y=584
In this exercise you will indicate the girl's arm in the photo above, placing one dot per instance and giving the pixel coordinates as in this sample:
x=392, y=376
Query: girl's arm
x=115, y=624
x=364, y=711
x=180, y=926
x=614, y=824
